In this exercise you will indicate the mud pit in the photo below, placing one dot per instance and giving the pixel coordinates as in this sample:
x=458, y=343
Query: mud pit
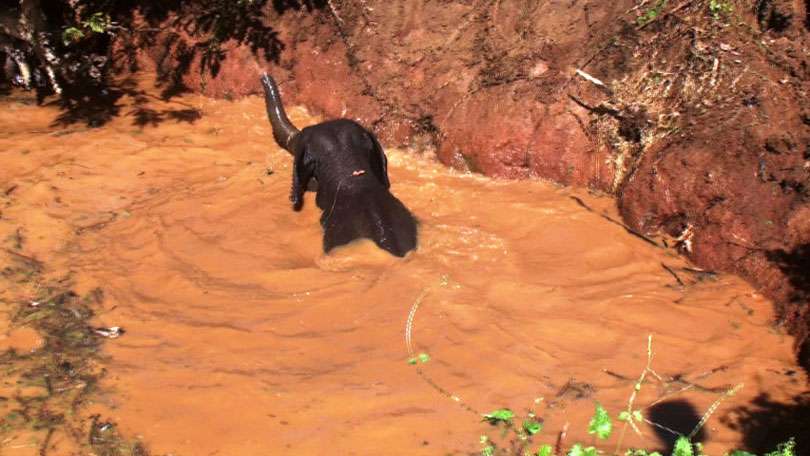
x=243, y=338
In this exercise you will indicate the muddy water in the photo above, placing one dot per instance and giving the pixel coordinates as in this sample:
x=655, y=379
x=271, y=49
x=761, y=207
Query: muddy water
x=243, y=338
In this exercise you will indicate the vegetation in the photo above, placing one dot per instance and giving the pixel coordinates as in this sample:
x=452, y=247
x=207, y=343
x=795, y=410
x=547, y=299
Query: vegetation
x=43, y=393
x=601, y=426
x=720, y=9
x=520, y=433
x=91, y=41
x=652, y=13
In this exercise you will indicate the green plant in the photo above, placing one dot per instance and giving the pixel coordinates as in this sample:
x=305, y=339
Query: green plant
x=683, y=447
x=784, y=449
x=579, y=450
x=520, y=439
x=98, y=22
x=600, y=424
x=720, y=8
x=72, y=35
x=55, y=383
x=500, y=416
x=652, y=13
x=420, y=358
x=638, y=452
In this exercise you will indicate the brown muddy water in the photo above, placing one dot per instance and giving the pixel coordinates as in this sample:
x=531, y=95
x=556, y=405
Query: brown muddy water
x=242, y=338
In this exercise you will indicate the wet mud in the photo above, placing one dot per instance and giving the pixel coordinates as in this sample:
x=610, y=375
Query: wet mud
x=242, y=337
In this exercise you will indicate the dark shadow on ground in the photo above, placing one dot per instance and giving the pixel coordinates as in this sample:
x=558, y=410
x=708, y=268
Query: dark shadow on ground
x=795, y=264
x=180, y=36
x=5, y=81
x=95, y=108
x=766, y=423
x=91, y=106
x=680, y=417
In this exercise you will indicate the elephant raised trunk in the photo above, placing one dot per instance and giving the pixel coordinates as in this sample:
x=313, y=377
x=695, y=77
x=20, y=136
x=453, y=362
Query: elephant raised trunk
x=350, y=167
x=284, y=131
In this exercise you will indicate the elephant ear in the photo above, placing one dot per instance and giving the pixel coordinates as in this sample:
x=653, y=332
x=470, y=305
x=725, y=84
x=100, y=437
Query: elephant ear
x=303, y=170
x=378, y=162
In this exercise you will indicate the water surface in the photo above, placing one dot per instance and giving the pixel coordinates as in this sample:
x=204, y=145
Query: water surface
x=243, y=338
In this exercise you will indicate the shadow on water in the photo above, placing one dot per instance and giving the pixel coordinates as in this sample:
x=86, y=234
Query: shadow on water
x=5, y=80
x=98, y=107
x=180, y=36
x=93, y=107
x=765, y=423
x=795, y=264
x=677, y=415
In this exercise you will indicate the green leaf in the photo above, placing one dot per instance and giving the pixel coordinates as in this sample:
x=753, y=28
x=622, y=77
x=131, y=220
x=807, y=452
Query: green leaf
x=532, y=426
x=741, y=453
x=600, y=423
x=652, y=13
x=720, y=8
x=420, y=358
x=499, y=416
x=488, y=449
x=71, y=35
x=624, y=416
x=683, y=447
x=579, y=450
x=638, y=416
x=545, y=450
x=784, y=449
x=98, y=22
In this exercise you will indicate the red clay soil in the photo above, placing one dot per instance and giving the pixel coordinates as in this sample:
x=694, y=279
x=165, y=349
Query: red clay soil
x=702, y=129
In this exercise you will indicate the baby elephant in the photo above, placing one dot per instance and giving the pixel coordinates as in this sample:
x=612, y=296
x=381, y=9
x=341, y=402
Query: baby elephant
x=352, y=175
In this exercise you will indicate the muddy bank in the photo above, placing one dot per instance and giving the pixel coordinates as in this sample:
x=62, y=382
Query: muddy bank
x=701, y=129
